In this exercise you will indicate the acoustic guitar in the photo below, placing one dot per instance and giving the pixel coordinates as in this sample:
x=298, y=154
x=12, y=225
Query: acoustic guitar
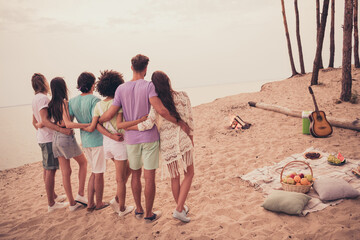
x=319, y=125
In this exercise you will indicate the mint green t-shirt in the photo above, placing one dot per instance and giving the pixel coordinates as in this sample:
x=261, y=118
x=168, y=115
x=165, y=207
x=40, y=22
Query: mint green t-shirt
x=99, y=110
x=82, y=107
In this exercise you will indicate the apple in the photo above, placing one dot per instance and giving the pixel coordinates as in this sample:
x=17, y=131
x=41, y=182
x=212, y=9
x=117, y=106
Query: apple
x=290, y=181
x=301, y=175
x=309, y=177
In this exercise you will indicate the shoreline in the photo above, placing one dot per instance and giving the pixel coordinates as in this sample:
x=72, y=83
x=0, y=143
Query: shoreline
x=222, y=206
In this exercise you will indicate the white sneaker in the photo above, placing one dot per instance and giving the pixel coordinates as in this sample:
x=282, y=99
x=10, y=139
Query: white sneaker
x=128, y=209
x=81, y=199
x=56, y=206
x=186, y=208
x=75, y=207
x=60, y=198
x=114, y=205
x=181, y=216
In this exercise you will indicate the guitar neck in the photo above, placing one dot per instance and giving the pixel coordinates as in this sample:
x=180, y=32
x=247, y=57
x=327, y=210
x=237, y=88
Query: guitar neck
x=313, y=97
x=316, y=107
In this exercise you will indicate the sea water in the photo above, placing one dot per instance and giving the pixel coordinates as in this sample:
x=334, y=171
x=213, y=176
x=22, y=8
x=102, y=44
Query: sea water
x=18, y=145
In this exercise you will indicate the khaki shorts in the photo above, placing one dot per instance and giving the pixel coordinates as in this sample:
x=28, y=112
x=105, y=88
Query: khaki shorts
x=146, y=154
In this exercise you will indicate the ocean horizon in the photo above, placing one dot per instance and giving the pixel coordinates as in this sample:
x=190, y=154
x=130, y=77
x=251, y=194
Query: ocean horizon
x=213, y=91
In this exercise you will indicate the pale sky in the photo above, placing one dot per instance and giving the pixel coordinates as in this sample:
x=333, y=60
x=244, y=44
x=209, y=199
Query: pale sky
x=196, y=42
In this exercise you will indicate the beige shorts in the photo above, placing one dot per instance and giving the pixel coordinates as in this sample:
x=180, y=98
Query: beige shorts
x=96, y=159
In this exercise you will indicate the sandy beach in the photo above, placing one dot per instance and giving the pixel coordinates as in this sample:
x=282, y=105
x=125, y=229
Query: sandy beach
x=222, y=206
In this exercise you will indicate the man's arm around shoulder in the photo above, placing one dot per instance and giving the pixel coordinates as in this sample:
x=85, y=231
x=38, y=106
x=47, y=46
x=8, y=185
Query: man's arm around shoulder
x=162, y=110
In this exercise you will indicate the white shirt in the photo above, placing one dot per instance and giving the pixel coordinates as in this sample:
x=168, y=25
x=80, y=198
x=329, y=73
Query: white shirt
x=41, y=101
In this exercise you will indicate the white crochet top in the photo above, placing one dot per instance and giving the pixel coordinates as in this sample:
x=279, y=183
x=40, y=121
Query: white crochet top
x=174, y=142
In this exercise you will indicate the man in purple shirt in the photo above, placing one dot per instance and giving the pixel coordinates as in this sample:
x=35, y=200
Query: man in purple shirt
x=135, y=98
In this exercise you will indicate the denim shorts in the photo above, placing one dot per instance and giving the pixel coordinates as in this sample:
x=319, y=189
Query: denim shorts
x=49, y=161
x=65, y=146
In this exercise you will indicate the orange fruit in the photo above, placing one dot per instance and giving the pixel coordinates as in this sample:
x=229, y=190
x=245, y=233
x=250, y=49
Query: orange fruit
x=304, y=181
x=297, y=178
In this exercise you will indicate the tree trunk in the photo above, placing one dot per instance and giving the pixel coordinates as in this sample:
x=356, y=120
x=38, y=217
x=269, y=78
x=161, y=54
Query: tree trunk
x=332, y=35
x=298, y=38
x=318, y=29
x=294, y=72
x=356, y=35
x=316, y=67
x=342, y=123
x=346, y=61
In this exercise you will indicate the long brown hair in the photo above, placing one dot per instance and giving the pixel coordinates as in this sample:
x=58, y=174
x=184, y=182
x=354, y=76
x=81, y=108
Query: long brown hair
x=163, y=88
x=59, y=93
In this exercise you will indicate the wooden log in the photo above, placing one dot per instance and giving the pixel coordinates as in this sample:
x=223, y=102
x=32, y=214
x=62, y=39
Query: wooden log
x=342, y=123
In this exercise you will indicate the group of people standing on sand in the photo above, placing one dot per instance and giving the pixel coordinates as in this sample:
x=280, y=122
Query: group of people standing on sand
x=137, y=122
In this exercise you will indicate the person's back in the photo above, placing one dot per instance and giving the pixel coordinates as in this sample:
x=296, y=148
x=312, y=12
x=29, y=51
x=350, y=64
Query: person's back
x=40, y=101
x=82, y=108
x=133, y=97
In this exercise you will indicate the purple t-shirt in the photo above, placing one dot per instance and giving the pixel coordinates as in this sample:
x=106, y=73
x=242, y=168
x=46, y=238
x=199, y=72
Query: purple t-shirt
x=133, y=97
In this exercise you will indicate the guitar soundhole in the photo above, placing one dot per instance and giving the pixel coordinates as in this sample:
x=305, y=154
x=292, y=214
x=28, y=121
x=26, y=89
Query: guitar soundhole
x=319, y=118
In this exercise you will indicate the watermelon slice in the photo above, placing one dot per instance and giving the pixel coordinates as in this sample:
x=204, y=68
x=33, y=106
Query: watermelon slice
x=340, y=157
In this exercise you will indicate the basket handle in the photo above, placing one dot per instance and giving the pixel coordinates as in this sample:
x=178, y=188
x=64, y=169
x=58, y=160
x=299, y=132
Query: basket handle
x=292, y=163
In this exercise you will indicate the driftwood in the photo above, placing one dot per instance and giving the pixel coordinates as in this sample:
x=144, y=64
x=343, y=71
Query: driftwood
x=342, y=123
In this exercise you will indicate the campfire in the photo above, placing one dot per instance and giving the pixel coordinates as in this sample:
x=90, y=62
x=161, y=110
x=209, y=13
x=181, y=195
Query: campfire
x=237, y=123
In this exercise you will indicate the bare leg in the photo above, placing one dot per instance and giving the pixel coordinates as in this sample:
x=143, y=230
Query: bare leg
x=121, y=178
x=91, y=191
x=99, y=189
x=49, y=185
x=150, y=189
x=81, y=160
x=136, y=189
x=66, y=173
x=128, y=171
x=185, y=187
x=175, y=187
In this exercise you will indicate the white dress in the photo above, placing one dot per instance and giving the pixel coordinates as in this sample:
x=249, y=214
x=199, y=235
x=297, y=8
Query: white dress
x=175, y=145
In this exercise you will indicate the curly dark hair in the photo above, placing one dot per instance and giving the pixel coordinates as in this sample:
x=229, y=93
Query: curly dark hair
x=108, y=83
x=85, y=81
x=163, y=88
x=139, y=62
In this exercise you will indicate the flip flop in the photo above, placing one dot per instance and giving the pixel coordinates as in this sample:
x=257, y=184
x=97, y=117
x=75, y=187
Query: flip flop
x=103, y=206
x=156, y=215
x=139, y=215
x=90, y=209
x=84, y=204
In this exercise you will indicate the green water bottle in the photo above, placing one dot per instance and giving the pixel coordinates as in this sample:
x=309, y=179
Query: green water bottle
x=306, y=122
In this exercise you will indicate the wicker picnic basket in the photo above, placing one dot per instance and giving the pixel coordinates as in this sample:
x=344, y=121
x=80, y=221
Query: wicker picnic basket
x=295, y=188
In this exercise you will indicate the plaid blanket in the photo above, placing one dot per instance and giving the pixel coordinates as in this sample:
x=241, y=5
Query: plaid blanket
x=267, y=178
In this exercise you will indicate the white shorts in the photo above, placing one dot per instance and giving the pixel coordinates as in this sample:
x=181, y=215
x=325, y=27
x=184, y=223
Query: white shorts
x=114, y=150
x=96, y=159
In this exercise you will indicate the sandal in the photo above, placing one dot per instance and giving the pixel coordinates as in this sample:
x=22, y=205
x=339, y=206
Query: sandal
x=103, y=206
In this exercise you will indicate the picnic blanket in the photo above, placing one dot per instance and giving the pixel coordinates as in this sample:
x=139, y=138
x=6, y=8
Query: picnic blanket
x=266, y=179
